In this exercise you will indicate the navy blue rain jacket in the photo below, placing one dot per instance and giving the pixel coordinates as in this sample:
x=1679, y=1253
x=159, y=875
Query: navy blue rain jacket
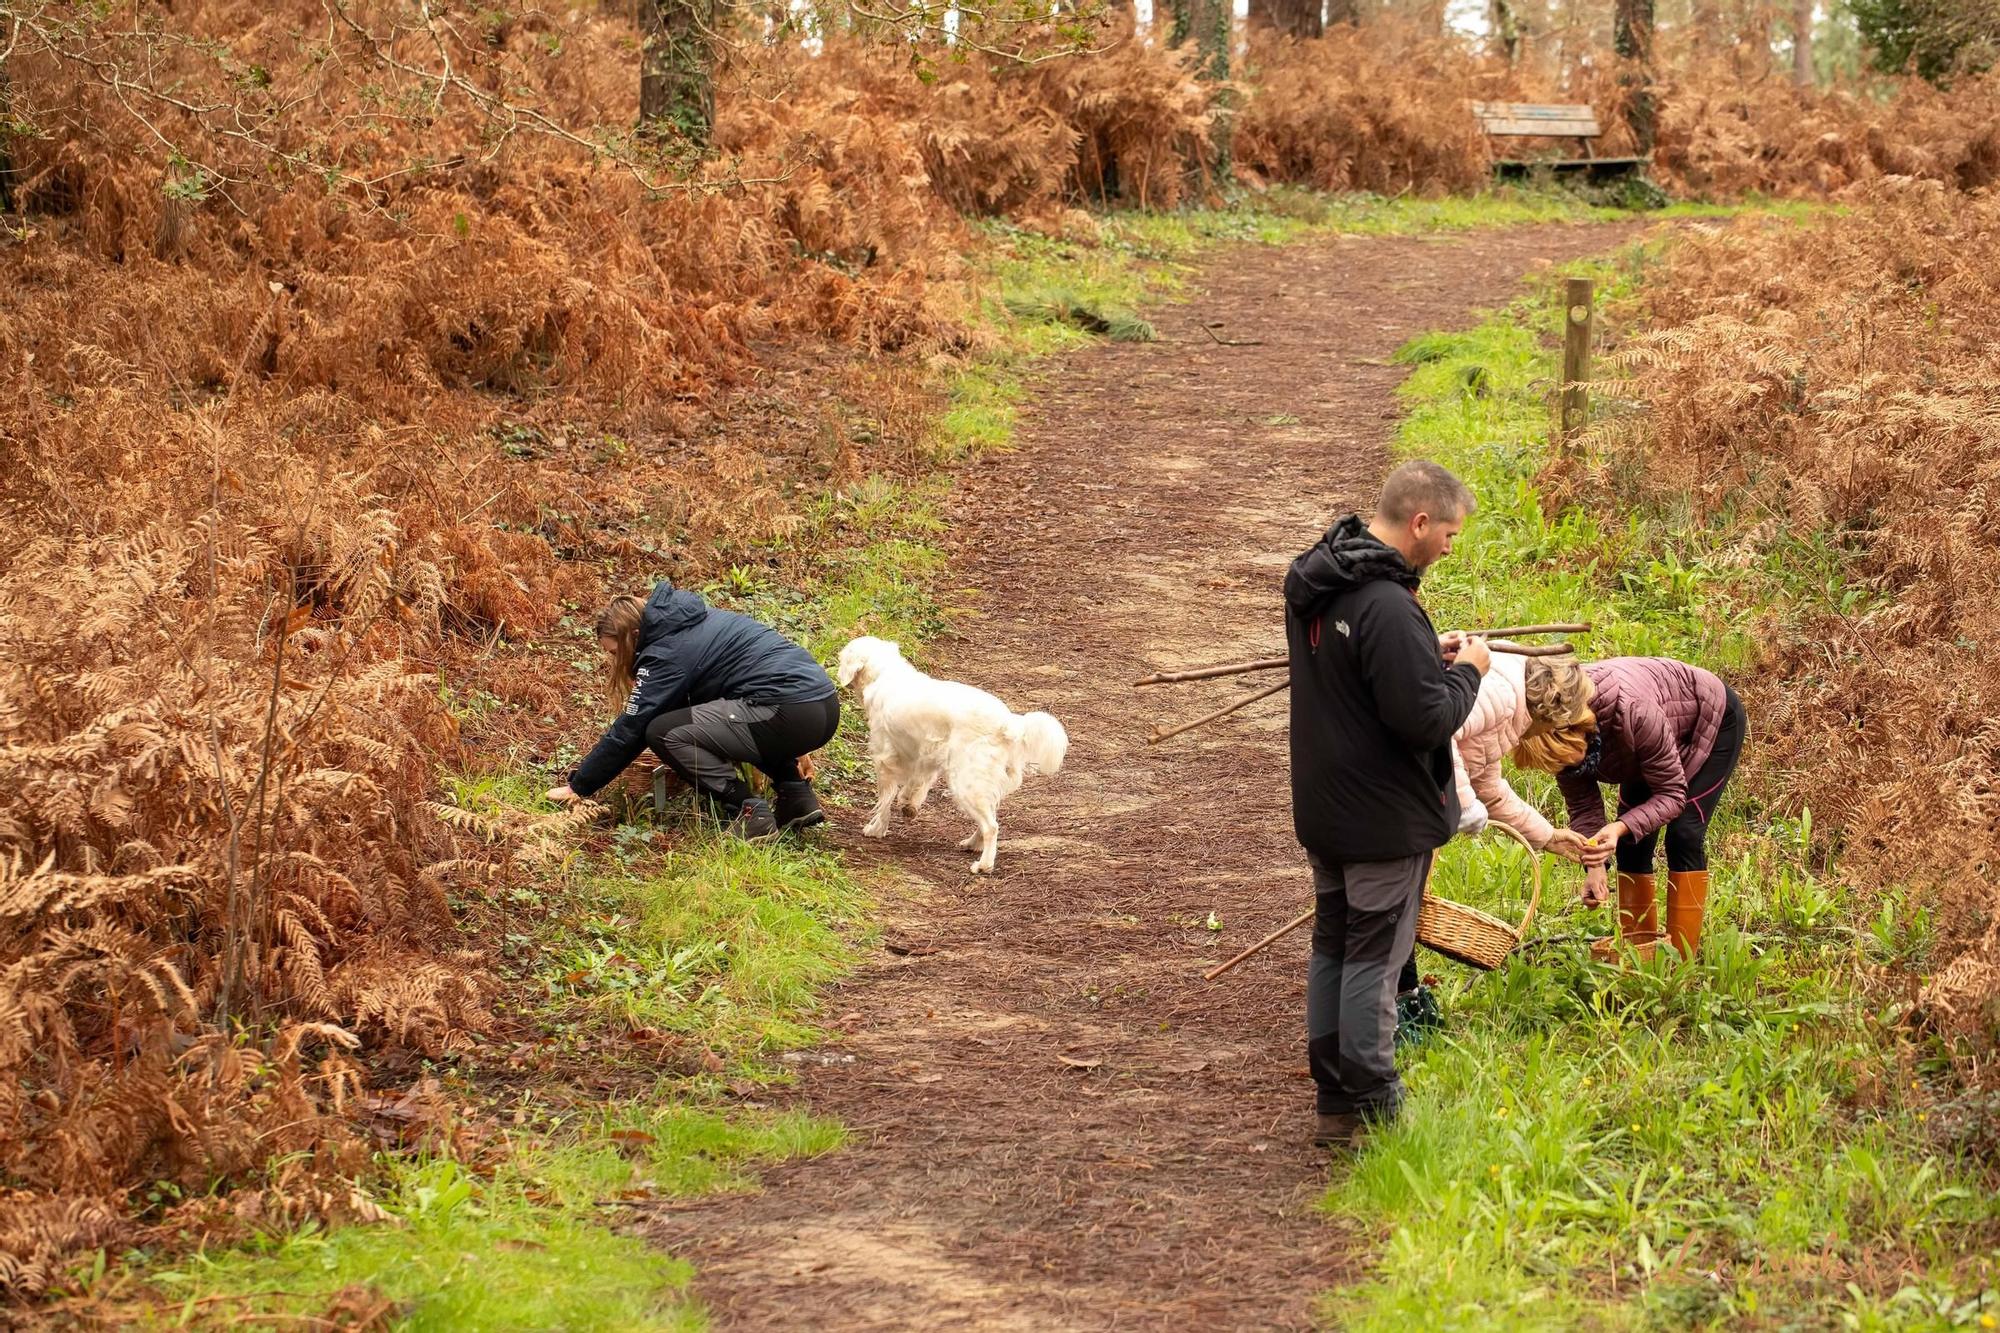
x=689, y=654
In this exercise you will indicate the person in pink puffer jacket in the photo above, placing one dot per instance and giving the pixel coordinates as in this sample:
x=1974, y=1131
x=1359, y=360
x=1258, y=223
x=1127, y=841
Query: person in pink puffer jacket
x=1501, y=718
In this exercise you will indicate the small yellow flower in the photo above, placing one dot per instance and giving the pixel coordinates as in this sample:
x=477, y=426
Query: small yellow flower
x=1635, y=1127
x=1500, y=1113
x=1988, y=1321
x=1493, y=1170
x=1916, y=1083
x=1923, y=1116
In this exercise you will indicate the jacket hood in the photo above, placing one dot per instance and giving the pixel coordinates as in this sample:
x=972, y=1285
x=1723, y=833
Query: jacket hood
x=669, y=611
x=1344, y=559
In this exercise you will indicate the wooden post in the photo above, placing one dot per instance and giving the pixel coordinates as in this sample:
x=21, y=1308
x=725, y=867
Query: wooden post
x=1576, y=358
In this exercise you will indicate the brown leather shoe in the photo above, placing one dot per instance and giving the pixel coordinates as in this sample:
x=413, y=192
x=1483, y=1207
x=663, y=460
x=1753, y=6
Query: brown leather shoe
x=1341, y=1130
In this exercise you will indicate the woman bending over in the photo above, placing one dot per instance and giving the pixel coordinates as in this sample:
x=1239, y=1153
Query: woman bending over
x=707, y=690
x=1668, y=736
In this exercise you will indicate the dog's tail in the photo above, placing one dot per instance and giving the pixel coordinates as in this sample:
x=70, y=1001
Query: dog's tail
x=1041, y=742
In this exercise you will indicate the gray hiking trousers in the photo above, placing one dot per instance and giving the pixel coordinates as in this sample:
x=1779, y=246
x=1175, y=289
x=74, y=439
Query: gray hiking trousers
x=705, y=743
x=1364, y=929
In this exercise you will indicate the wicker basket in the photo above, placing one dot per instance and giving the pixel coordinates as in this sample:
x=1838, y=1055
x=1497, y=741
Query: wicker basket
x=1468, y=935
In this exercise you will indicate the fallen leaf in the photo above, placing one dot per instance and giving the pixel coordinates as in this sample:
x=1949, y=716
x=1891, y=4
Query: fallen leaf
x=928, y=1078
x=1074, y=1063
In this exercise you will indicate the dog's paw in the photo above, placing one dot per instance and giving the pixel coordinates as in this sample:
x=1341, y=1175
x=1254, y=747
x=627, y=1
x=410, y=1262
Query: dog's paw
x=907, y=809
x=968, y=842
x=875, y=828
x=983, y=866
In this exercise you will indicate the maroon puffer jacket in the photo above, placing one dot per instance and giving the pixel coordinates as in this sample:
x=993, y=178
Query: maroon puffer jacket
x=1658, y=720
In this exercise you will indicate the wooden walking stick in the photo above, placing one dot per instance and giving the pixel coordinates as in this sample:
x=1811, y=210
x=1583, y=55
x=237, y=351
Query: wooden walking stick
x=1159, y=735
x=1273, y=663
x=1516, y=631
x=1530, y=650
x=1211, y=672
x=1262, y=944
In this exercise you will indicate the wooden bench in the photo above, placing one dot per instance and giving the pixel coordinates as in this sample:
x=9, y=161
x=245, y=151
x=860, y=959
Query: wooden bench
x=1536, y=120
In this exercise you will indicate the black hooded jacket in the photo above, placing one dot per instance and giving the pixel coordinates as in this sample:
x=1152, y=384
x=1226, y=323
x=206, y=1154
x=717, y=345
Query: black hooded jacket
x=690, y=653
x=1373, y=705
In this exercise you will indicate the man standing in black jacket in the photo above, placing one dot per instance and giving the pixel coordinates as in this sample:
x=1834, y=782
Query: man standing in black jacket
x=1376, y=696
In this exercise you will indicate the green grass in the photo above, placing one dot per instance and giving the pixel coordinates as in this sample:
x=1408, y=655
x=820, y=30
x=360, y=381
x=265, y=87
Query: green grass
x=1739, y=1141
x=460, y=1252
x=718, y=940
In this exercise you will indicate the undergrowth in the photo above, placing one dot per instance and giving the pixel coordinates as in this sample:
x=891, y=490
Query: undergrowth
x=1744, y=1140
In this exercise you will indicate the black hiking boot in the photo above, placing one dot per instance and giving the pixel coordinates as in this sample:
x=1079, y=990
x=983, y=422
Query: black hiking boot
x=754, y=822
x=798, y=807
x=1417, y=1016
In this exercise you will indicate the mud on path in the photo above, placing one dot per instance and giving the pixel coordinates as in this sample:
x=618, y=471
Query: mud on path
x=1058, y=1124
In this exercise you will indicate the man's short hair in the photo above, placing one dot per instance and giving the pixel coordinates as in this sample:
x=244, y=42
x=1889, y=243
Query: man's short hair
x=1422, y=487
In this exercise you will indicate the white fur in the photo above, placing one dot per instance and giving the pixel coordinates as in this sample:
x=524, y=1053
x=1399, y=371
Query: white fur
x=921, y=729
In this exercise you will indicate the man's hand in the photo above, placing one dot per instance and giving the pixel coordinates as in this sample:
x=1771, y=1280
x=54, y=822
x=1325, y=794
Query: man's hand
x=1473, y=649
x=1567, y=842
x=1601, y=848
x=560, y=795
x=1448, y=645
x=1596, y=886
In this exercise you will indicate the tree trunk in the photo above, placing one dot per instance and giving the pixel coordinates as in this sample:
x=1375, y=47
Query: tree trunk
x=1262, y=14
x=1302, y=19
x=675, y=90
x=6, y=133
x=1632, y=39
x=1506, y=29
x=1344, y=11
x=1802, y=29
x=1208, y=23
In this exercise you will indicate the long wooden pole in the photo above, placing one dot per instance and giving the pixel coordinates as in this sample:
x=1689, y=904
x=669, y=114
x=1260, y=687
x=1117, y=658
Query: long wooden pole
x=1262, y=944
x=1273, y=663
x=1211, y=672
x=1159, y=735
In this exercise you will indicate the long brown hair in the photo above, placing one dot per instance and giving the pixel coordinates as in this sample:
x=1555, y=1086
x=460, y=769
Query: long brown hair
x=618, y=625
x=1558, y=697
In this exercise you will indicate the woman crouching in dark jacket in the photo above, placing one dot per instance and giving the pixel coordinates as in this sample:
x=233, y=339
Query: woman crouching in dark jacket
x=1668, y=736
x=707, y=690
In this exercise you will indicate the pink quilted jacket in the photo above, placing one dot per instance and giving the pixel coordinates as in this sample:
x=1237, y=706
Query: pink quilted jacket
x=1658, y=719
x=1499, y=720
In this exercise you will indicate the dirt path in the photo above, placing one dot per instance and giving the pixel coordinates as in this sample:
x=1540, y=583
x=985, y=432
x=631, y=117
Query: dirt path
x=1059, y=1125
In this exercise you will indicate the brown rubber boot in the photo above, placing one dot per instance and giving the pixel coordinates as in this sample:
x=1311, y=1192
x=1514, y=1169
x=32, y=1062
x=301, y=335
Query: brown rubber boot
x=1638, y=918
x=1687, y=903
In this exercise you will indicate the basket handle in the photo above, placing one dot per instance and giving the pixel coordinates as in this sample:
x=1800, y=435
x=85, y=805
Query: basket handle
x=1534, y=862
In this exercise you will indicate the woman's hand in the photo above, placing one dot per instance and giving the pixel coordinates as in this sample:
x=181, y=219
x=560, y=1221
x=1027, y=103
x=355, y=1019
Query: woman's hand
x=1601, y=848
x=1567, y=842
x=560, y=795
x=1596, y=886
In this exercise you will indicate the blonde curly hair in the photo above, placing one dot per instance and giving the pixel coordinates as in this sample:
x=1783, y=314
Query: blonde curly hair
x=1558, y=692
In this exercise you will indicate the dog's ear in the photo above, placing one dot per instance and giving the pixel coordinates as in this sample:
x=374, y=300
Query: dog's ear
x=852, y=659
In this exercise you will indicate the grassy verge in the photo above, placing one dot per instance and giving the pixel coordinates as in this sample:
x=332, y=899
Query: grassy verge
x=1739, y=1141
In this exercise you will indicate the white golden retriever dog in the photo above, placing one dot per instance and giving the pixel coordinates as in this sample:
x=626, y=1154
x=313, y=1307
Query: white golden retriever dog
x=921, y=729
